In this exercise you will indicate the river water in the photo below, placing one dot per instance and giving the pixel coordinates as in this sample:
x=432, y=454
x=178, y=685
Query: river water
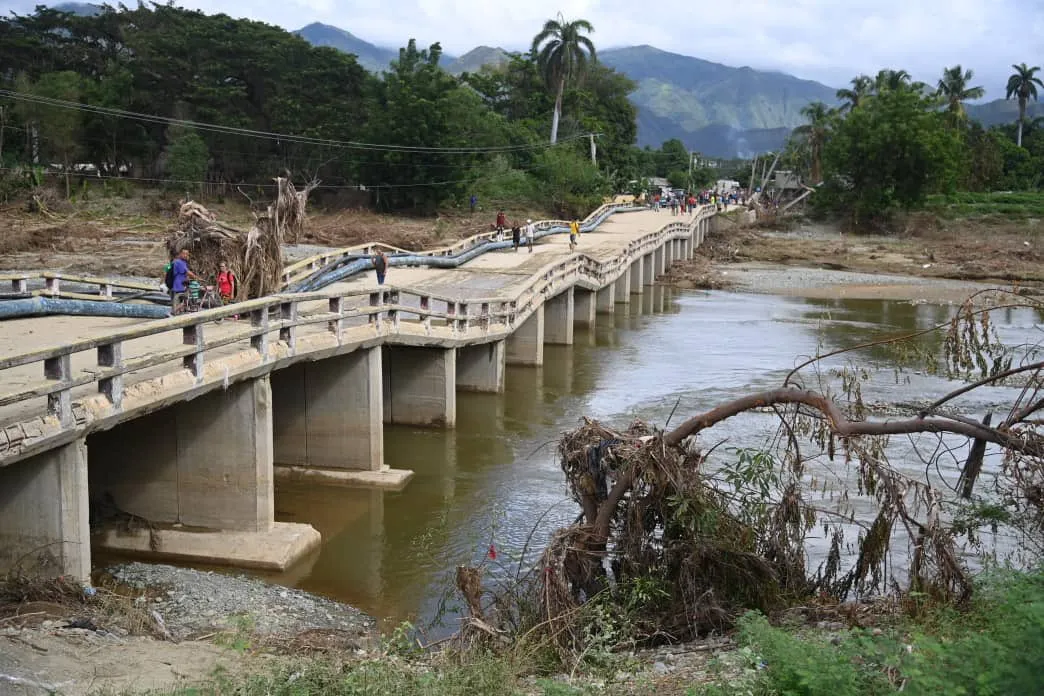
x=495, y=478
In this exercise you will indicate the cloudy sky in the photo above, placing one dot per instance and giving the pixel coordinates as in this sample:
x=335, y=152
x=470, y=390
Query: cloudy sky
x=825, y=40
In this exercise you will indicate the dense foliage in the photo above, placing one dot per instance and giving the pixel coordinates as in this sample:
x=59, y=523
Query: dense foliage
x=893, y=142
x=158, y=63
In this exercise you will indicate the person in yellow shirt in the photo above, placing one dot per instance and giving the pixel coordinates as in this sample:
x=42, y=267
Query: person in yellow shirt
x=574, y=233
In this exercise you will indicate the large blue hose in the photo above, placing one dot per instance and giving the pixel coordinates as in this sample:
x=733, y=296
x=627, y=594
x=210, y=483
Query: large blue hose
x=336, y=272
x=38, y=306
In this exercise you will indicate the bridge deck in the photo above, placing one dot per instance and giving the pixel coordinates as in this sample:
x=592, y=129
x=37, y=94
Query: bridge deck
x=501, y=274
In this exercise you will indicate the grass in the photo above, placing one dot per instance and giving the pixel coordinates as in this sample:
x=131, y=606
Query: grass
x=1019, y=205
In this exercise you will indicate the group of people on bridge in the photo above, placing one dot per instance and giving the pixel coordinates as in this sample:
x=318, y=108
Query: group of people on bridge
x=187, y=289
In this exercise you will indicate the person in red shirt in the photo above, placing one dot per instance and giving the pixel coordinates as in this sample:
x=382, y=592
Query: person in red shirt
x=501, y=224
x=227, y=283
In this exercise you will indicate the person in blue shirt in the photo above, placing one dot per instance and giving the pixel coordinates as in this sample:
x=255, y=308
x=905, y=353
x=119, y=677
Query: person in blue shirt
x=182, y=274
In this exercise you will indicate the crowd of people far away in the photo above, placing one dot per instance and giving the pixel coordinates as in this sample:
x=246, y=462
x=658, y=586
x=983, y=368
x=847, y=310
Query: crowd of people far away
x=686, y=202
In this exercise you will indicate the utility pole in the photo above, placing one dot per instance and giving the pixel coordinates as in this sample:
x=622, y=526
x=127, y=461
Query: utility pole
x=594, y=149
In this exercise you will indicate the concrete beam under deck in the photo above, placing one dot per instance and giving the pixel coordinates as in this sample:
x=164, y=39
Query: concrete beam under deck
x=526, y=345
x=44, y=526
x=480, y=368
x=205, y=466
x=558, y=319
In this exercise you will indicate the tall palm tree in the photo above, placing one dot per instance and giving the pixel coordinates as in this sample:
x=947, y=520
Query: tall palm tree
x=954, y=89
x=861, y=89
x=891, y=80
x=815, y=133
x=1023, y=86
x=562, y=52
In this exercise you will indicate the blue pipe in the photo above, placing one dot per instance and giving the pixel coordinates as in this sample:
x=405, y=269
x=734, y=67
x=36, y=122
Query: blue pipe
x=39, y=306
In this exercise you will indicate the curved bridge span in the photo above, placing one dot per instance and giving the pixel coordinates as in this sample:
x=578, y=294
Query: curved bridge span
x=183, y=423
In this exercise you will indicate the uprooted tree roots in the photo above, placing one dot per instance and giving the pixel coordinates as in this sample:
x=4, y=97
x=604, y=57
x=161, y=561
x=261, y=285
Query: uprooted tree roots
x=256, y=255
x=683, y=544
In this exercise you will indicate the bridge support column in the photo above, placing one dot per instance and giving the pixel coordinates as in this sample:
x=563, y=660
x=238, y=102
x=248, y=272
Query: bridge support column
x=660, y=261
x=649, y=269
x=481, y=368
x=668, y=254
x=205, y=464
x=605, y=302
x=637, y=273
x=584, y=309
x=622, y=288
x=420, y=386
x=327, y=421
x=44, y=529
x=558, y=319
x=526, y=345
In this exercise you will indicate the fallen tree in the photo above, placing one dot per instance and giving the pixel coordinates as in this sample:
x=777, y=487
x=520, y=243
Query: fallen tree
x=677, y=541
x=254, y=255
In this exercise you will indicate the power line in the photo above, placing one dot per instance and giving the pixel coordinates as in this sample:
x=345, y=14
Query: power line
x=213, y=127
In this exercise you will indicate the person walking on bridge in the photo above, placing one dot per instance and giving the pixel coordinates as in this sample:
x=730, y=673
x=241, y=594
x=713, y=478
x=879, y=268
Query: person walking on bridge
x=380, y=265
x=181, y=274
x=516, y=236
x=501, y=225
x=530, y=233
x=574, y=233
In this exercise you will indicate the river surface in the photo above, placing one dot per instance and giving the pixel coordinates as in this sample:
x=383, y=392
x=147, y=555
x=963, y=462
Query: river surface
x=495, y=479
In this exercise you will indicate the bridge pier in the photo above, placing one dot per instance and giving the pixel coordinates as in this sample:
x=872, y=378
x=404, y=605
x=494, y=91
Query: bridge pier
x=649, y=268
x=605, y=302
x=584, y=308
x=660, y=261
x=668, y=254
x=636, y=272
x=480, y=368
x=205, y=464
x=327, y=421
x=420, y=386
x=622, y=287
x=558, y=319
x=526, y=345
x=44, y=529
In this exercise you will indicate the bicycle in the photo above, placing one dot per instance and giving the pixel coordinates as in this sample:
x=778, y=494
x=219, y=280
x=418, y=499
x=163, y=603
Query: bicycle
x=199, y=297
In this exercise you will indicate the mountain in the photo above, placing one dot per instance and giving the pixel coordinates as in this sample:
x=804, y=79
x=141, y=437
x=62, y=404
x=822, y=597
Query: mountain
x=1001, y=111
x=373, y=58
x=82, y=9
x=715, y=109
x=476, y=58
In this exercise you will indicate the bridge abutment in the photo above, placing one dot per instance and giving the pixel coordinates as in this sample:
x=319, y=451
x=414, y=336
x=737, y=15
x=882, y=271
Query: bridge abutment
x=204, y=467
x=44, y=526
x=526, y=345
x=558, y=318
x=420, y=386
x=481, y=368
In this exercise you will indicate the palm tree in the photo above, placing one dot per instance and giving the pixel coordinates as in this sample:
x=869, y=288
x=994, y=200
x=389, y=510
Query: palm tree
x=954, y=89
x=861, y=88
x=1023, y=86
x=891, y=80
x=562, y=52
x=815, y=134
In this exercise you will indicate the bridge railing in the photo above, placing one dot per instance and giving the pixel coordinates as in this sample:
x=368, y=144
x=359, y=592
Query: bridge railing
x=350, y=316
x=18, y=283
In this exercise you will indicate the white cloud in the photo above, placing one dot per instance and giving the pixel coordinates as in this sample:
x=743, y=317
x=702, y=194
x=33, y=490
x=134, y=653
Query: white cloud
x=825, y=40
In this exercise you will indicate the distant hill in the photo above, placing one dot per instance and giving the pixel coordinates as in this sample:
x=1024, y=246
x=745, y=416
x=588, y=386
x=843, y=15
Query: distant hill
x=373, y=58
x=476, y=58
x=1001, y=111
x=84, y=9
x=715, y=109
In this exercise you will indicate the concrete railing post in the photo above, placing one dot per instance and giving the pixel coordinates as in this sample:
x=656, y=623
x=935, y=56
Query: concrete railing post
x=110, y=356
x=59, y=403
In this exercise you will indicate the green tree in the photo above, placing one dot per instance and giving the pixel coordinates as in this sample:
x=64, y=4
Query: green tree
x=55, y=132
x=887, y=155
x=563, y=52
x=187, y=157
x=815, y=133
x=673, y=156
x=1022, y=85
x=571, y=184
x=954, y=89
x=862, y=87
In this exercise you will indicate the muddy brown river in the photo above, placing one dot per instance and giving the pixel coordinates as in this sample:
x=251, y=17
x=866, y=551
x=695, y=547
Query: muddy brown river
x=495, y=478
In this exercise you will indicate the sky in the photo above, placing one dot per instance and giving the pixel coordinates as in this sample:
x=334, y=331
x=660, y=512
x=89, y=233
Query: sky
x=826, y=40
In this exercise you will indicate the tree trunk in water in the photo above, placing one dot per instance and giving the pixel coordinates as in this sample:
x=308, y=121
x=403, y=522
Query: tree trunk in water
x=558, y=111
x=1022, y=119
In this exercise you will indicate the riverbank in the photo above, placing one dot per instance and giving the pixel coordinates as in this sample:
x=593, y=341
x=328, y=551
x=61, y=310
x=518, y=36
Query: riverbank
x=932, y=261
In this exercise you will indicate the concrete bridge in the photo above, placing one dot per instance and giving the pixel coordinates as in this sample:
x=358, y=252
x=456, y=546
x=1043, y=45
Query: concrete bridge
x=183, y=424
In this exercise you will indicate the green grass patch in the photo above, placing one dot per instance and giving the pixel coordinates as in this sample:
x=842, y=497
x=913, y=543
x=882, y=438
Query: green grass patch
x=1015, y=205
